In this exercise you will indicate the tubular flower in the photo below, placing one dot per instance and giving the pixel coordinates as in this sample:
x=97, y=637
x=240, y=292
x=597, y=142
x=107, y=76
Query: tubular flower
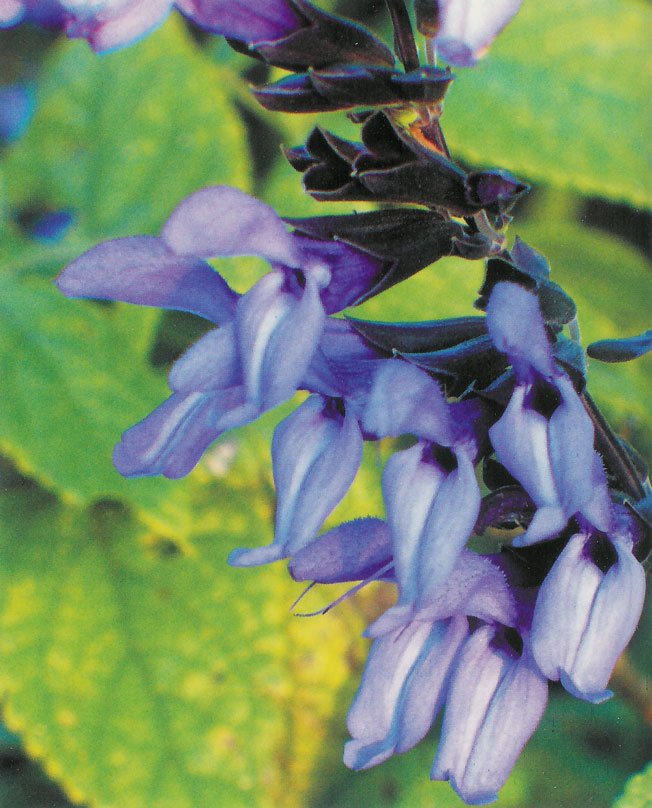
x=464, y=29
x=495, y=703
x=268, y=338
x=316, y=453
x=550, y=453
x=585, y=616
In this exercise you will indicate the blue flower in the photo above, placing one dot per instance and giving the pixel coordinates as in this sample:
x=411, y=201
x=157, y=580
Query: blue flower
x=585, y=615
x=268, y=337
x=466, y=28
x=550, y=454
x=48, y=13
x=431, y=493
x=316, y=453
x=496, y=700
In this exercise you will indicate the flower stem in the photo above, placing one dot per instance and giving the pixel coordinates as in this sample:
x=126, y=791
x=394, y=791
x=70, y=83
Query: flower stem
x=403, y=34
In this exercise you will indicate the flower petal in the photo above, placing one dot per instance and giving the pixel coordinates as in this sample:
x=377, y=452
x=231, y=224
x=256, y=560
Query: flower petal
x=494, y=705
x=142, y=270
x=614, y=616
x=516, y=327
x=468, y=27
x=405, y=399
x=278, y=333
x=351, y=551
x=250, y=21
x=109, y=30
x=402, y=689
x=174, y=436
x=212, y=363
x=316, y=454
x=224, y=221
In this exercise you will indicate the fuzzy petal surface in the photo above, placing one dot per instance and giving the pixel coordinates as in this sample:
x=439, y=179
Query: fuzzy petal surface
x=143, y=270
x=225, y=221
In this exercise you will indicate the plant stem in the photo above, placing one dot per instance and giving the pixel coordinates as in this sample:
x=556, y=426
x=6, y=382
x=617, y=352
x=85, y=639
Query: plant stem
x=403, y=35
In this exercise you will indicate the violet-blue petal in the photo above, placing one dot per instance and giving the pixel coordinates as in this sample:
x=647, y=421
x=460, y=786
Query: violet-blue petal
x=521, y=442
x=402, y=689
x=225, y=221
x=142, y=270
x=516, y=327
x=212, y=363
x=571, y=437
x=172, y=439
x=495, y=703
x=468, y=27
x=410, y=485
x=352, y=272
x=351, y=551
x=584, y=618
x=250, y=21
x=113, y=24
x=11, y=12
x=278, y=331
x=614, y=616
x=405, y=399
x=316, y=453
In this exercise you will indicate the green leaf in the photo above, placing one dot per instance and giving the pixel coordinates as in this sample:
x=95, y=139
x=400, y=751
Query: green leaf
x=123, y=138
x=638, y=791
x=563, y=98
x=146, y=676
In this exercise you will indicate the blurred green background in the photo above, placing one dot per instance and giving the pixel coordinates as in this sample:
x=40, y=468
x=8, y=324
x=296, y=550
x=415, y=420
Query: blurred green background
x=138, y=670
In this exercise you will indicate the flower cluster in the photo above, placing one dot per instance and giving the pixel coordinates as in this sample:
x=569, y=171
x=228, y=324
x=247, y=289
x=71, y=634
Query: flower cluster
x=498, y=398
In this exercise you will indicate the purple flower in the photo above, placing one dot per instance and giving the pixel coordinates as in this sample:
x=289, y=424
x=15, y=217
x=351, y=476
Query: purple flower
x=431, y=492
x=550, y=453
x=403, y=687
x=316, y=453
x=468, y=27
x=406, y=678
x=495, y=703
x=585, y=616
x=268, y=338
x=41, y=12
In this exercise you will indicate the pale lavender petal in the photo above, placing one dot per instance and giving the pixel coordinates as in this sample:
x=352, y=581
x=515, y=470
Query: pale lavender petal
x=316, y=454
x=468, y=27
x=410, y=485
x=402, y=689
x=251, y=21
x=478, y=673
x=212, y=363
x=405, y=399
x=614, y=616
x=224, y=221
x=563, y=607
x=142, y=270
x=571, y=437
x=447, y=529
x=520, y=439
x=494, y=705
x=516, y=327
x=115, y=25
x=174, y=436
x=11, y=12
x=351, y=551
x=278, y=334
x=514, y=713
